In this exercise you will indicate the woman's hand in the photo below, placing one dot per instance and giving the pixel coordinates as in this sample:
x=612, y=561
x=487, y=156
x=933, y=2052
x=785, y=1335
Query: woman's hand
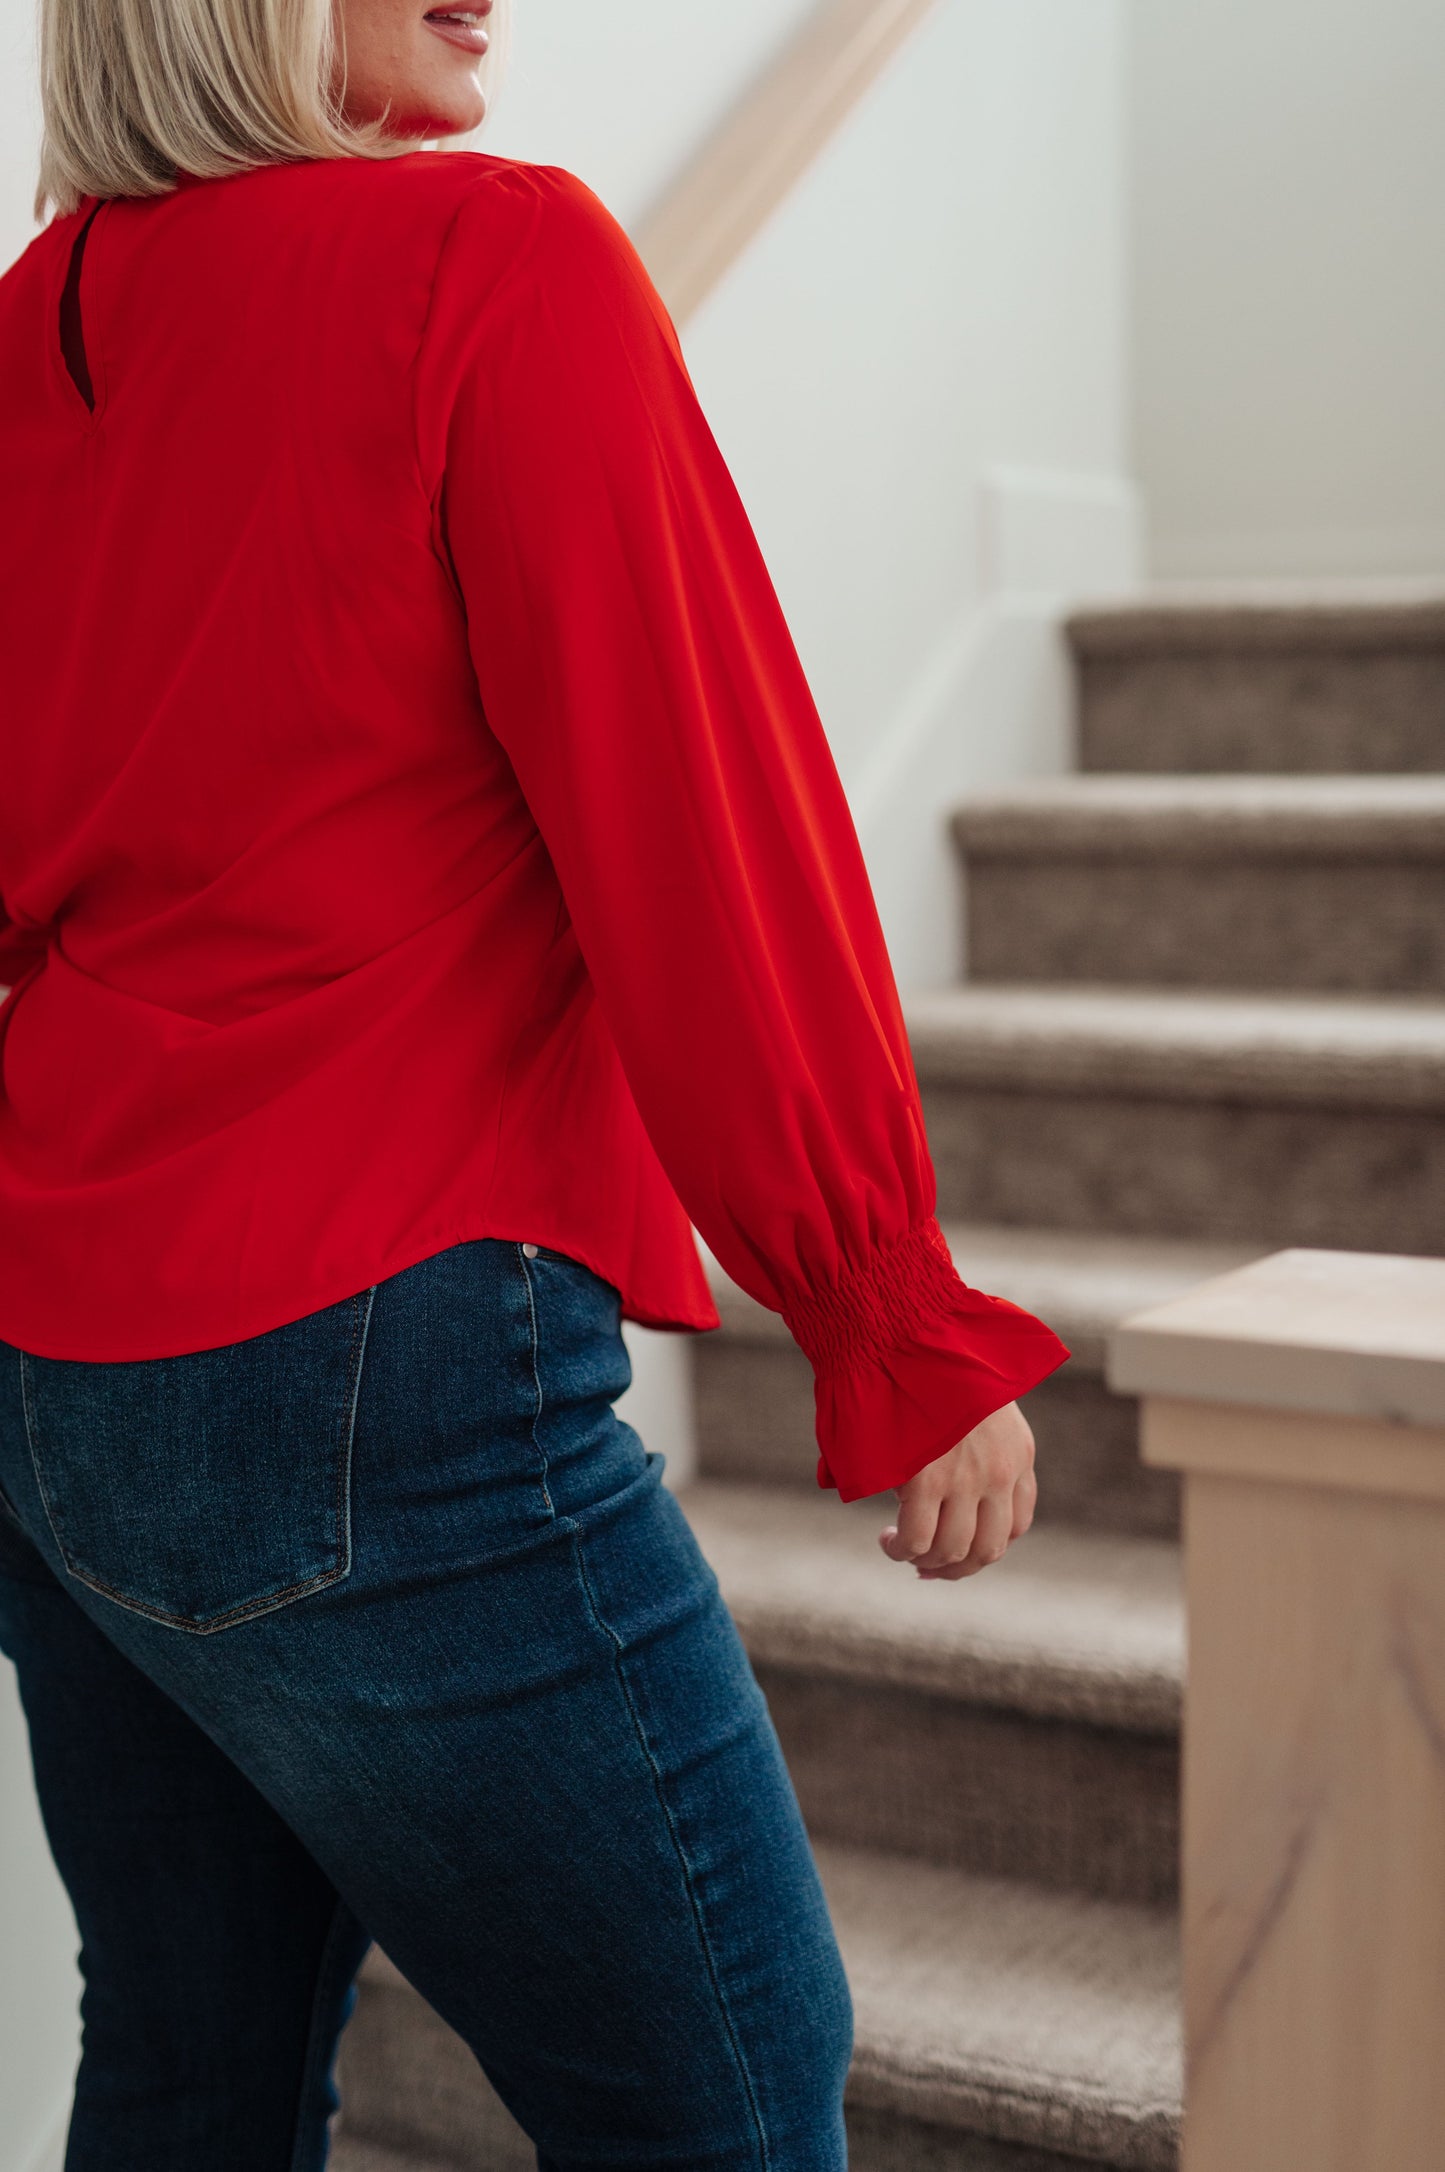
x=957, y=1515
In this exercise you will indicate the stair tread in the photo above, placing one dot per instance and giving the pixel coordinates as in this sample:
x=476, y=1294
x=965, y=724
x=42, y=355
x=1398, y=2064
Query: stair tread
x=1041, y=2018
x=1209, y=618
x=1320, y=1050
x=1071, y=1624
x=1127, y=814
x=1083, y=1285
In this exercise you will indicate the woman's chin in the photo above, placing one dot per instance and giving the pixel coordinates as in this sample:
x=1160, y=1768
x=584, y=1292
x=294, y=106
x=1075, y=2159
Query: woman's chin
x=408, y=131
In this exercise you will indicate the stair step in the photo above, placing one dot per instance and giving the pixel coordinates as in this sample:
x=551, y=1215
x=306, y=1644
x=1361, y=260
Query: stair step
x=1022, y=1723
x=1070, y=1624
x=1231, y=881
x=753, y=1388
x=993, y=2025
x=349, y=2154
x=413, y=2099
x=983, y=2008
x=1250, y=1119
x=1333, y=684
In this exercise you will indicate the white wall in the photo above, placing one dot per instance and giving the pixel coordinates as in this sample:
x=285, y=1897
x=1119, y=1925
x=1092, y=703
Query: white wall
x=1288, y=213
x=19, y=126
x=942, y=292
x=622, y=93
x=932, y=324
x=38, y=1980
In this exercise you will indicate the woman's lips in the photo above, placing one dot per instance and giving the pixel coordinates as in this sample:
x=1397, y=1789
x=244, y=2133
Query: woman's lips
x=462, y=27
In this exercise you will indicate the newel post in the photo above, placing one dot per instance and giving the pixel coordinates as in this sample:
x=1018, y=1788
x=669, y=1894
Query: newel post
x=1303, y=1400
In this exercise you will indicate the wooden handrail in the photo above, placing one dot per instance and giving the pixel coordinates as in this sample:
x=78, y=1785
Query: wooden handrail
x=707, y=216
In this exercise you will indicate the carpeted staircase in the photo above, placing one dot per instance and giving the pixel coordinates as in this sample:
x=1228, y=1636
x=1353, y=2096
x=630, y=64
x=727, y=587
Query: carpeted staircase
x=1205, y=1018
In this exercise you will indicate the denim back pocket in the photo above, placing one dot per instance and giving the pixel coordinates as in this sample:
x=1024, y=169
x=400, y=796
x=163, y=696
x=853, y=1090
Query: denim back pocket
x=203, y=1490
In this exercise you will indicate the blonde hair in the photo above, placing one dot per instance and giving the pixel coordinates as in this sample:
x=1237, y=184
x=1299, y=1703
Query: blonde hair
x=133, y=90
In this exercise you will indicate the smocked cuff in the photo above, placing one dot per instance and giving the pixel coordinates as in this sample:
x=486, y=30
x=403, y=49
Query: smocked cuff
x=907, y=1359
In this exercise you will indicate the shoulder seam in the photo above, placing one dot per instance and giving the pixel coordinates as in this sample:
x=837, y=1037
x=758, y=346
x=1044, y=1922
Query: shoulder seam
x=473, y=187
x=502, y=172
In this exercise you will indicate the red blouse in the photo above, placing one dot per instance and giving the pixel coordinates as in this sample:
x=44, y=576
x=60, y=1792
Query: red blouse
x=416, y=823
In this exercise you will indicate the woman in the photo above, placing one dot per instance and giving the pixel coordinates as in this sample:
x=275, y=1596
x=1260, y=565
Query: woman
x=428, y=894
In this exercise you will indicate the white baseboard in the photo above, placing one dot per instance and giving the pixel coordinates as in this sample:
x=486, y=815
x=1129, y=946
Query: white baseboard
x=995, y=705
x=994, y=702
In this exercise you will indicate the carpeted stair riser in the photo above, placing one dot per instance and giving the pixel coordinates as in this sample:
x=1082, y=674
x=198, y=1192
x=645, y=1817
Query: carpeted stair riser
x=1060, y=1803
x=352, y=2154
x=1269, y=690
x=1357, y=1179
x=1362, y=927
x=1268, y=714
x=882, y=2141
x=411, y=2091
x=754, y=1413
x=1087, y=1459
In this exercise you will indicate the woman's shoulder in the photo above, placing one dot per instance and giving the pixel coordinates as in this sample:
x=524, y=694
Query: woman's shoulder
x=522, y=202
x=382, y=205
x=532, y=262
x=468, y=216
x=420, y=185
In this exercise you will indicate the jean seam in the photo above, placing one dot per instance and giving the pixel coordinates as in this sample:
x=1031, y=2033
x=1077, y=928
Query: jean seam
x=356, y=1359
x=538, y=1450
x=268, y=1602
x=25, y=1404
x=694, y=1898
x=341, y=1921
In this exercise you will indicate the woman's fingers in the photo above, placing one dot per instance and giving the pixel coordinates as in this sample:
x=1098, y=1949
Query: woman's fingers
x=1026, y=1494
x=991, y=1534
x=912, y=1535
x=988, y=1541
x=960, y=1512
x=954, y=1533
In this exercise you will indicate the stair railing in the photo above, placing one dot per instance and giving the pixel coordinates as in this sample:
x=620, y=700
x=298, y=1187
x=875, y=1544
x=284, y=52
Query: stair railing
x=1303, y=1398
x=709, y=213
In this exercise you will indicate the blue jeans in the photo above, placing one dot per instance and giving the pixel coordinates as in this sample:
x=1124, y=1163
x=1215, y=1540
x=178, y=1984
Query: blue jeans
x=383, y=1625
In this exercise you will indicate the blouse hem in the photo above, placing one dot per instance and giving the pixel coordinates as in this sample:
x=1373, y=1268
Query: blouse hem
x=334, y=1290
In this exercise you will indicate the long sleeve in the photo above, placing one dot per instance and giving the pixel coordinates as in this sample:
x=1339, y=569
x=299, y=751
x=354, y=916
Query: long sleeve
x=633, y=660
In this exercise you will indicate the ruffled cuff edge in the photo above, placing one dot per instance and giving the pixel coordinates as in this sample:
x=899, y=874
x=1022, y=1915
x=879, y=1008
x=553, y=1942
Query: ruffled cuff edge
x=907, y=1359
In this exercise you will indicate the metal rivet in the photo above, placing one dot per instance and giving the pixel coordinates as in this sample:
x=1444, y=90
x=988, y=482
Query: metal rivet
x=530, y=1250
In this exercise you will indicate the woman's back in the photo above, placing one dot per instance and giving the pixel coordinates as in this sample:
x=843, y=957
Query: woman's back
x=299, y=910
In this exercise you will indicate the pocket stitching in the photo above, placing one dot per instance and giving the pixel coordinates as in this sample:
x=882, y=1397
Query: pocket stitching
x=267, y=1602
